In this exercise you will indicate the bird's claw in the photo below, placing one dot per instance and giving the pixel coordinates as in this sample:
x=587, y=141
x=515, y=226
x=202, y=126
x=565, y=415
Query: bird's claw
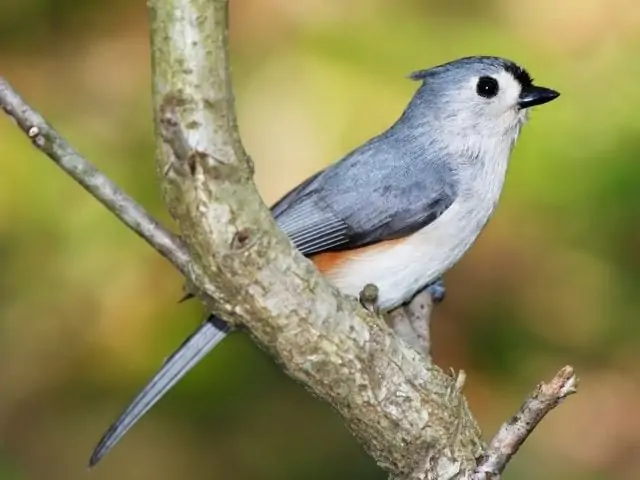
x=369, y=298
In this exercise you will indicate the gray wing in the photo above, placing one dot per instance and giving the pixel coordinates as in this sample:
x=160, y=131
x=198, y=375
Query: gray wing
x=392, y=186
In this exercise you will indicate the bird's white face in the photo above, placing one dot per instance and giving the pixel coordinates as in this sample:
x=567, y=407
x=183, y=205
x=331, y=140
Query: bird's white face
x=505, y=105
x=477, y=101
x=489, y=104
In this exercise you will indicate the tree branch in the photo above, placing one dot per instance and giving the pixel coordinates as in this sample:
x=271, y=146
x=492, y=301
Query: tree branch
x=513, y=433
x=409, y=415
x=47, y=140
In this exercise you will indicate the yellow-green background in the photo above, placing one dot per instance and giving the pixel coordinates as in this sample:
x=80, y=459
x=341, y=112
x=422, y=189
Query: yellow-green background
x=88, y=311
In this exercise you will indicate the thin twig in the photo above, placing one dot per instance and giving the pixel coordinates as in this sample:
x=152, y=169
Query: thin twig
x=50, y=142
x=513, y=433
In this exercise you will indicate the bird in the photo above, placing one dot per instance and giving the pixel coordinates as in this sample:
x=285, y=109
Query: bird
x=398, y=211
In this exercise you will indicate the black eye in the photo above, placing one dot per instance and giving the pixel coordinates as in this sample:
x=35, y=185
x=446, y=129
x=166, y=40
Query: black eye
x=487, y=87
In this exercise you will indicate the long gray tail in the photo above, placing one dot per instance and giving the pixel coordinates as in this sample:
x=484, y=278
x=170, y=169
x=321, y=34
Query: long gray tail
x=211, y=332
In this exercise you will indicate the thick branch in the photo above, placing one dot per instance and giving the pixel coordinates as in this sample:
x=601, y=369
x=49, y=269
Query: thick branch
x=407, y=412
x=513, y=433
x=46, y=139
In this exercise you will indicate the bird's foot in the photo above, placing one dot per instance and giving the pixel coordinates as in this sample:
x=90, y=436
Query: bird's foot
x=369, y=298
x=437, y=290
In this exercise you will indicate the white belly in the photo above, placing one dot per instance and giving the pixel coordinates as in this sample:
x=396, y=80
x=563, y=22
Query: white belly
x=404, y=268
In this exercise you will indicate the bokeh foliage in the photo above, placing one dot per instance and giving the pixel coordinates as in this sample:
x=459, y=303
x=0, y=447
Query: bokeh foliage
x=88, y=311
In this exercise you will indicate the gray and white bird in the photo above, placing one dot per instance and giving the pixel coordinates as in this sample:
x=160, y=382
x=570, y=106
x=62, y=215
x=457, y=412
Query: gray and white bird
x=401, y=209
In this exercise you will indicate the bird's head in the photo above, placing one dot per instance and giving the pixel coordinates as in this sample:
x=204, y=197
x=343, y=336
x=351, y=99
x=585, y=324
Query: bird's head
x=478, y=95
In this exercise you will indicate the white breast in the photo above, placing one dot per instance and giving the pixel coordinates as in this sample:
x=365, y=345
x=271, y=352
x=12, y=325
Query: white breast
x=406, y=267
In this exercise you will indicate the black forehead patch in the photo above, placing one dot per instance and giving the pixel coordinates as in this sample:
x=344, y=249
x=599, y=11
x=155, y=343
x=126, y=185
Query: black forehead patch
x=519, y=73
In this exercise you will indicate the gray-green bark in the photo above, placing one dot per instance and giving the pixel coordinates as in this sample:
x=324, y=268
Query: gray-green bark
x=409, y=415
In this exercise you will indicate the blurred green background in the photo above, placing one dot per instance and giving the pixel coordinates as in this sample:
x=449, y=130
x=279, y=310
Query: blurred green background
x=88, y=311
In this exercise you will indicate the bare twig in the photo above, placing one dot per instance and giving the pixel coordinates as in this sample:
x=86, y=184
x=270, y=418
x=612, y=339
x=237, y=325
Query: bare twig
x=513, y=433
x=50, y=142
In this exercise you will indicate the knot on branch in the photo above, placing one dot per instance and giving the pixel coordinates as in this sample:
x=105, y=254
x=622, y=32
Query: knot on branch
x=242, y=239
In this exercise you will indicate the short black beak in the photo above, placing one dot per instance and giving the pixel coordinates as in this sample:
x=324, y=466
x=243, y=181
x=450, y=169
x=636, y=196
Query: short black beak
x=532, y=96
